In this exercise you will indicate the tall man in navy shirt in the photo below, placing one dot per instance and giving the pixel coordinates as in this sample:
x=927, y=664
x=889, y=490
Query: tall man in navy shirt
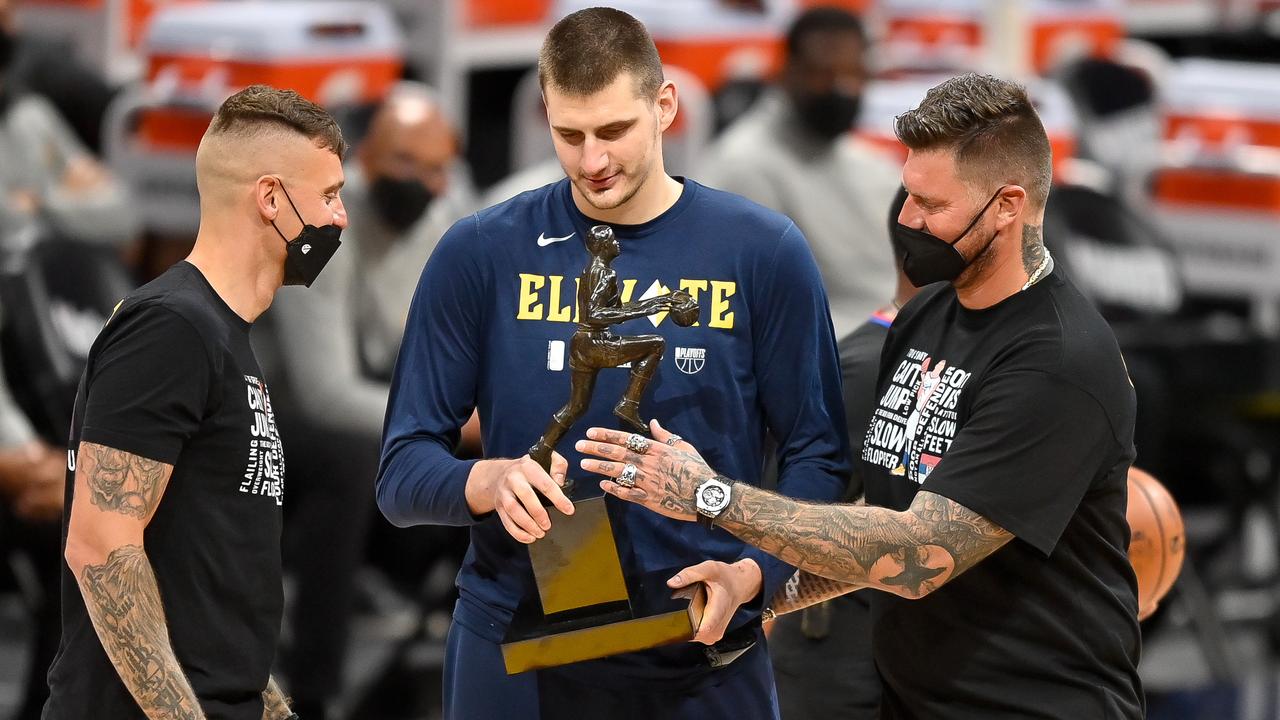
x=489, y=329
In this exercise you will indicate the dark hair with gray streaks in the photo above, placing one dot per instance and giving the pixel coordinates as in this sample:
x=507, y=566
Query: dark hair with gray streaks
x=991, y=128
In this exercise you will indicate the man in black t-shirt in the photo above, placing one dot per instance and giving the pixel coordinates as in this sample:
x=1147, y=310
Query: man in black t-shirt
x=997, y=534
x=172, y=584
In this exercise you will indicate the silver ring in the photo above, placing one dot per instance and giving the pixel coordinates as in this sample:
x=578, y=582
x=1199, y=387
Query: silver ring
x=673, y=440
x=638, y=444
x=628, y=477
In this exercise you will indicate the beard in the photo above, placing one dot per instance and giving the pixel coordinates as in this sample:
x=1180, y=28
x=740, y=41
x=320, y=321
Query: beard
x=981, y=262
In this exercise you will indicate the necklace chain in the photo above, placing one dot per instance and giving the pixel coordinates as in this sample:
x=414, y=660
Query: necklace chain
x=1035, y=276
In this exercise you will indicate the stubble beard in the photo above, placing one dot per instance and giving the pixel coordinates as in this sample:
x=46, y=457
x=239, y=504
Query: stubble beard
x=978, y=267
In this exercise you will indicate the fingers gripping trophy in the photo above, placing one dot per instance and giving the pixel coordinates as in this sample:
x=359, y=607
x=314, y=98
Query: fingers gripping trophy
x=594, y=348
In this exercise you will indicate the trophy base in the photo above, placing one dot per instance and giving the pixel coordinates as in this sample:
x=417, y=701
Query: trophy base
x=654, y=617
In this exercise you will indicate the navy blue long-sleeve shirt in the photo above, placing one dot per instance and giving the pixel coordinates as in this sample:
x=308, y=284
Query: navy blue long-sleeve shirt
x=489, y=329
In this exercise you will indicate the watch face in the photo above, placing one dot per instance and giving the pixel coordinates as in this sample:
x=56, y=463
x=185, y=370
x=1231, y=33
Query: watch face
x=713, y=497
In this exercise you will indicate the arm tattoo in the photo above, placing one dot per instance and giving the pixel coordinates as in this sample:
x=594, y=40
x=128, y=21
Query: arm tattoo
x=1032, y=248
x=123, y=601
x=275, y=706
x=681, y=474
x=122, y=482
x=910, y=553
x=806, y=589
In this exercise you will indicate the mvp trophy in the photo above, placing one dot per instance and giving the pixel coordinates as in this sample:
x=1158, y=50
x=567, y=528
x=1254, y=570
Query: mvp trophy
x=586, y=608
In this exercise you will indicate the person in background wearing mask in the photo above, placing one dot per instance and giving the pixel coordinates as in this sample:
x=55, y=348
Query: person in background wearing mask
x=792, y=152
x=172, y=590
x=48, y=179
x=405, y=188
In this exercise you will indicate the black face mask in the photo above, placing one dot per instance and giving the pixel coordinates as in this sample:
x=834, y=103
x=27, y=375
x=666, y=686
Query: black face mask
x=929, y=258
x=829, y=115
x=310, y=251
x=400, y=202
x=8, y=45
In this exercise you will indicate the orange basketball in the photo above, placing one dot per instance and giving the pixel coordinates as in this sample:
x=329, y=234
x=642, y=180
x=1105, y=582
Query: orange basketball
x=1157, y=542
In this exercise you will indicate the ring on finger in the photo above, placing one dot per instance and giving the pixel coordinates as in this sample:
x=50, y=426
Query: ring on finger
x=673, y=440
x=638, y=444
x=628, y=477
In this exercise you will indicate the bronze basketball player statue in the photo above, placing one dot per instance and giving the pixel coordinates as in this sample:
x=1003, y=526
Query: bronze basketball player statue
x=586, y=608
x=594, y=348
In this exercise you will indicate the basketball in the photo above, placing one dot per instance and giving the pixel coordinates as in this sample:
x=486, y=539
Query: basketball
x=685, y=310
x=1157, y=543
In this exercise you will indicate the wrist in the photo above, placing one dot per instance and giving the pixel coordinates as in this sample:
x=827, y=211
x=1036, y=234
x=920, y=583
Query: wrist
x=752, y=578
x=481, y=481
x=711, y=496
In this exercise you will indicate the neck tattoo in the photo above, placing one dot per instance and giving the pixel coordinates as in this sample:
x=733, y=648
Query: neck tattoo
x=1040, y=273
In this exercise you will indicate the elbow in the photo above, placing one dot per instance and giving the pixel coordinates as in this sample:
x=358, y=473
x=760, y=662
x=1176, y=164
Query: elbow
x=85, y=548
x=920, y=576
x=385, y=495
x=393, y=515
x=77, y=554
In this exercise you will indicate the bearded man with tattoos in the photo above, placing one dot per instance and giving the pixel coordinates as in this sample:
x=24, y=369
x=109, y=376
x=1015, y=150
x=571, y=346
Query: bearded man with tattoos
x=171, y=590
x=995, y=532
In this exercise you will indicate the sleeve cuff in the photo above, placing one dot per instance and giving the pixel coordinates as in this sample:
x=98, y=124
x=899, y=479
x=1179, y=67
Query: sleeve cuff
x=166, y=453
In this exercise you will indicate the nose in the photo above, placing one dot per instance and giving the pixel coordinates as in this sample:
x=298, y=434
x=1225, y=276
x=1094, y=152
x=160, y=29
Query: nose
x=910, y=215
x=340, y=215
x=595, y=159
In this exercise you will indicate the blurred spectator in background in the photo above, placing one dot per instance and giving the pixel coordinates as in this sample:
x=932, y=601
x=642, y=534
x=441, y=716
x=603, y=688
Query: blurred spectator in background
x=31, y=495
x=406, y=187
x=792, y=152
x=47, y=67
x=47, y=176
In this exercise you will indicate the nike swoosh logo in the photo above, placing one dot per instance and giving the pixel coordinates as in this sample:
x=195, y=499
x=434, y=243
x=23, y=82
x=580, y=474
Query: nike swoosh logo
x=544, y=241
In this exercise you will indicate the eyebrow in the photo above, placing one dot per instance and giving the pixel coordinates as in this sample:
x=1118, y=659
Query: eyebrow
x=613, y=126
x=333, y=188
x=924, y=200
x=617, y=125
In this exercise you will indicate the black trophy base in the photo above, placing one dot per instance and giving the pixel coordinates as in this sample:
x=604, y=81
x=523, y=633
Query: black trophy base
x=652, y=618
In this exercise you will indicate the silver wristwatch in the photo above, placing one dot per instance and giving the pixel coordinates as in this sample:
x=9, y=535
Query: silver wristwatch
x=711, y=498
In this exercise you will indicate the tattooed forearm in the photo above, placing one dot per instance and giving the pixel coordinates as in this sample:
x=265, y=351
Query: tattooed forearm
x=1032, y=248
x=910, y=553
x=123, y=601
x=806, y=589
x=275, y=706
x=122, y=482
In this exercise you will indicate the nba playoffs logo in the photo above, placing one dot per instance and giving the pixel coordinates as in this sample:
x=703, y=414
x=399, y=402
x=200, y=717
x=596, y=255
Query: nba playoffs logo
x=690, y=360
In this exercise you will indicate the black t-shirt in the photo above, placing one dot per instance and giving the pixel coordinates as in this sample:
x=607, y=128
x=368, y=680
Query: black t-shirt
x=172, y=377
x=1023, y=413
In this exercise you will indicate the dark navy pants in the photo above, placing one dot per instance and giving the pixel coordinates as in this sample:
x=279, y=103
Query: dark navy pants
x=477, y=687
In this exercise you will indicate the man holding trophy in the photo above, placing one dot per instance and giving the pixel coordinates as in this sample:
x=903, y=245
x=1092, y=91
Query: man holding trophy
x=719, y=310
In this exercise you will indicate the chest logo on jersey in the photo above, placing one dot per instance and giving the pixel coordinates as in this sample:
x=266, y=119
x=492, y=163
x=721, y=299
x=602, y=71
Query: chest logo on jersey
x=553, y=298
x=264, y=473
x=690, y=360
x=916, y=418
